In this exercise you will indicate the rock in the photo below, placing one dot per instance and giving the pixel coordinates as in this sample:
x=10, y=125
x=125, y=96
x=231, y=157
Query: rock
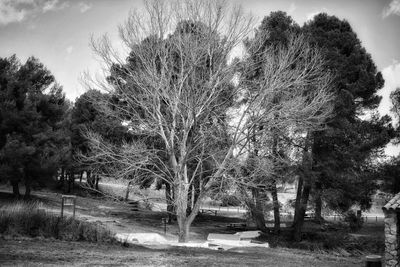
x=391, y=239
x=248, y=234
x=145, y=238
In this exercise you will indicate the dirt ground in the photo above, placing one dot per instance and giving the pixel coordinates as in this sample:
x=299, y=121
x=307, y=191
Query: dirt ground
x=36, y=252
x=118, y=217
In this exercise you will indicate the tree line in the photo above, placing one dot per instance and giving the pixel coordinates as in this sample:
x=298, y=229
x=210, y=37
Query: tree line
x=184, y=112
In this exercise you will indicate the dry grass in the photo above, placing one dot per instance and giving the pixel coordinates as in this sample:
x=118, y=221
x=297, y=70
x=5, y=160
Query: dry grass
x=29, y=219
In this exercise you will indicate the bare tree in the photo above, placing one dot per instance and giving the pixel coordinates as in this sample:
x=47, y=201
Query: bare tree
x=181, y=88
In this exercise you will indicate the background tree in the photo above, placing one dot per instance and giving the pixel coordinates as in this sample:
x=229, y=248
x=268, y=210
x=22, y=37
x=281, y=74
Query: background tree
x=84, y=117
x=347, y=145
x=32, y=111
x=276, y=31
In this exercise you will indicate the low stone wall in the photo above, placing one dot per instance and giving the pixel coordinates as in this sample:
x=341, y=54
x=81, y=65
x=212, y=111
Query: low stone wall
x=391, y=242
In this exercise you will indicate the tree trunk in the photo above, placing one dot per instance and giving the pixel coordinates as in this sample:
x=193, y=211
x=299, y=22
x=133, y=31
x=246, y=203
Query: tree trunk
x=73, y=181
x=303, y=190
x=277, y=220
x=62, y=176
x=183, y=235
x=88, y=178
x=318, y=203
x=298, y=199
x=127, y=191
x=181, y=203
x=97, y=182
x=257, y=211
x=27, y=189
x=190, y=197
x=258, y=218
x=170, y=202
x=274, y=191
x=15, y=186
x=302, y=211
x=69, y=182
x=80, y=177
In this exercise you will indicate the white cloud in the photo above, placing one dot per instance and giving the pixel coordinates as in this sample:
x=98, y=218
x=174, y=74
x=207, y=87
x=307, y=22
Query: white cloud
x=311, y=15
x=391, y=74
x=8, y=14
x=292, y=8
x=69, y=49
x=83, y=7
x=50, y=5
x=13, y=11
x=392, y=9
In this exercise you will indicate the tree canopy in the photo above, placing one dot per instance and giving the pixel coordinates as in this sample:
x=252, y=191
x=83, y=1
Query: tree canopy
x=32, y=111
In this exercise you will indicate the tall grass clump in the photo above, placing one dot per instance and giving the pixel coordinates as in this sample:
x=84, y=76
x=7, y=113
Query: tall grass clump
x=29, y=219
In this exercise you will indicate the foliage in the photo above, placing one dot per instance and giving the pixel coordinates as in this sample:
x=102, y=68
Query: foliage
x=355, y=222
x=389, y=173
x=343, y=153
x=32, y=111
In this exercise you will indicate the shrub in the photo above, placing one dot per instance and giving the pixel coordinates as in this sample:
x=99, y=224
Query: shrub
x=355, y=222
x=28, y=219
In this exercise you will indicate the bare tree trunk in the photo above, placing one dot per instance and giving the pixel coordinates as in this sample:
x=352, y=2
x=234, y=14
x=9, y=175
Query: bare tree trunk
x=183, y=235
x=318, y=202
x=80, y=177
x=303, y=192
x=181, y=203
x=97, y=177
x=274, y=191
x=68, y=178
x=90, y=179
x=71, y=180
x=27, y=188
x=277, y=220
x=298, y=199
x=128, y=190
x=170, y=202
x=257, y=211
x=190, y=198
x=301, y=212
x=62, y=176
x=15, y=186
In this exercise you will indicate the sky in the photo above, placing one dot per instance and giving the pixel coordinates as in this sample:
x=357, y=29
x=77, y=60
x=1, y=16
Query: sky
x=58, y=32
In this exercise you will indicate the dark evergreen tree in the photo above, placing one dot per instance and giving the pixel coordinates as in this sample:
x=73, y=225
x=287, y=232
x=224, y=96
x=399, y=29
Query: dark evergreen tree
x=32, y=110
x=346, y=147
x=274, y=33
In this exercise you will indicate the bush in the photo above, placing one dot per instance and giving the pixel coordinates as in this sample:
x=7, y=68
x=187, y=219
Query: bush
x=355, y=222
x=28, y=219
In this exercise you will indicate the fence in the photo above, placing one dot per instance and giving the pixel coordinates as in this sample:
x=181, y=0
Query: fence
x=288, y=217
x=228, y=209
